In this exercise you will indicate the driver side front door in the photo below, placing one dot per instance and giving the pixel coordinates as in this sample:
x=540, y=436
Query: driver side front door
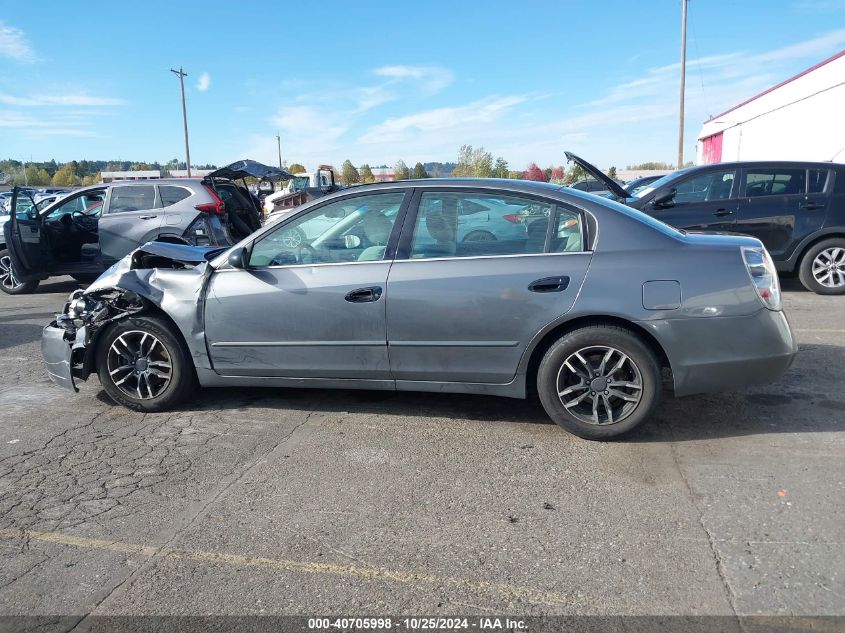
x=704, y=201
x=311, y=303
x=25, y=236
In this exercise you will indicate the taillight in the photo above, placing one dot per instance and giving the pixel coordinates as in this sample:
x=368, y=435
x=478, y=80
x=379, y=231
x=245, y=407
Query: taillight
x=513, y=218
x=218, y=207
x=763, y=275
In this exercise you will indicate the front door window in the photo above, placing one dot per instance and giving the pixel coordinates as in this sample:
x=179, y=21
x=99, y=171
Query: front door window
x=348, y=230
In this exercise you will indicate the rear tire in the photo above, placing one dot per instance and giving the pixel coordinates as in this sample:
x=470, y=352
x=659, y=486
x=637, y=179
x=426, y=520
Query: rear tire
x=9, y=283
x=599, y=382
x=143, y=365
x=822, y=269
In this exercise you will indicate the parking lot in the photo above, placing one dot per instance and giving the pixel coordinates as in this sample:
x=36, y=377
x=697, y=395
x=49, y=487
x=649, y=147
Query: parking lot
x=302, y=502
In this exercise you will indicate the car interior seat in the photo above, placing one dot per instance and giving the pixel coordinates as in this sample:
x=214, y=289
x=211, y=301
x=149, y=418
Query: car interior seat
x=377, y=230
x=719, y=188
x=442, y=225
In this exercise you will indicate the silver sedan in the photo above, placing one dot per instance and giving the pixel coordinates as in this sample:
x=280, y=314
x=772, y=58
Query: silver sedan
x=588, y=305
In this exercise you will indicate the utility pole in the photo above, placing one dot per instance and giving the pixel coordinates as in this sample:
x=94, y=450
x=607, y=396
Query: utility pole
x=182, y=74
x=683, y=81
x=279, y=143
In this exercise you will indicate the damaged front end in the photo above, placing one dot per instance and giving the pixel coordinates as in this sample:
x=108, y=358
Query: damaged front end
x=64, y=342
x=168, y=277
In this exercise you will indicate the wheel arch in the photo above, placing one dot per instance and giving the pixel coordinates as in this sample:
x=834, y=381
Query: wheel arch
x=793, y=264
x=89, y=364
x=546, y=340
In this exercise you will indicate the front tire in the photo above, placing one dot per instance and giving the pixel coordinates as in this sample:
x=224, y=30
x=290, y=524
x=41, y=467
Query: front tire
x=822, y=269
x=599, y=382
x=143, y=365
x=9, y=282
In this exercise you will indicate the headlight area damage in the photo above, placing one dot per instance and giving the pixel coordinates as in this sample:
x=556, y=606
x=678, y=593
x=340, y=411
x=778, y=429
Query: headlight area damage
x=134, y=285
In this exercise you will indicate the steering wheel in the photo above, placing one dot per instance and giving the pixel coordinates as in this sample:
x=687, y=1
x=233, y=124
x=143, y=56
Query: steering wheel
x=306, y=250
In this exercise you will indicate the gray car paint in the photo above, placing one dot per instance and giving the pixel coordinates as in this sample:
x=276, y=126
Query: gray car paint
x=466, y=324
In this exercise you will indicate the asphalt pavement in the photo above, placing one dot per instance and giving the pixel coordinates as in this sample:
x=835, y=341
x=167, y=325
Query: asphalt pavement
x=275, y=501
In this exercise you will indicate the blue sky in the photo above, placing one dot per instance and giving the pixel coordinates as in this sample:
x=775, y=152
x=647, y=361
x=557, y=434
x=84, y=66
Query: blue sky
x=375, y=82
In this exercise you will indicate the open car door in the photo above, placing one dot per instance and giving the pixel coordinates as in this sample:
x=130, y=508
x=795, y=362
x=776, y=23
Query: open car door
x=25, y=238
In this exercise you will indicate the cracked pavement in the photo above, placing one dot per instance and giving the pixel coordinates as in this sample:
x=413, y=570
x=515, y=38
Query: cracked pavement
x=251, y=501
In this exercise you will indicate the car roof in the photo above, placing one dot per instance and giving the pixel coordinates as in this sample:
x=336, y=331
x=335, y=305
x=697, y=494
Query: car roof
x=769, y=163
x=157, y=181
x=525, y=186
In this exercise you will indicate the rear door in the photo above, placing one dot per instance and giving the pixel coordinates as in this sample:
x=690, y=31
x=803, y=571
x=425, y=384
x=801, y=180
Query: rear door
x=782, y=205
x=25, y=237
x=131, y=218
x=464, y=310
x=705, y=200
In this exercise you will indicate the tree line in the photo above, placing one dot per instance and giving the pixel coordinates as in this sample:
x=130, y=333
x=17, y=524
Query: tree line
x=472, y=163
x=75, y=173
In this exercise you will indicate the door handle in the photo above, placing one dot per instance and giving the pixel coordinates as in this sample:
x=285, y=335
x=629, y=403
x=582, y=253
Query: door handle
x=722, y=212
x=364, y=295
x=549, y=284
x=812, y=205
x=148, y=217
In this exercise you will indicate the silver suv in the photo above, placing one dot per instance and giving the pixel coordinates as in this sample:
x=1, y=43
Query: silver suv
x=87, y=231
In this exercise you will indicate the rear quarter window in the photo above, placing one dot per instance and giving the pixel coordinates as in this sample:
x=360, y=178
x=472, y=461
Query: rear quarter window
x=172, y=194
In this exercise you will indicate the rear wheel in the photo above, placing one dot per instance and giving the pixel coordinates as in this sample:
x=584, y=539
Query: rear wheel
x=599, y=382
x=479, y=236
x=143, y=365
x=9, y=282
x=822, y=269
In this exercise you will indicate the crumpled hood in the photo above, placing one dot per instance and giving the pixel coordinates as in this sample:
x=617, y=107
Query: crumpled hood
x=156, y=260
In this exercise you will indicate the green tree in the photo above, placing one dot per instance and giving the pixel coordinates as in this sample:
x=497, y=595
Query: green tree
x=419, y=172
x=611, y=173
x=401, y=171
x=515, y=175
x=547, y=172
x=575, y=174
x=349, y=174
x=366, y=173
x=296, y=168
x=651, y=165
x=473, y=163
x=65, y=176
x=500, y=169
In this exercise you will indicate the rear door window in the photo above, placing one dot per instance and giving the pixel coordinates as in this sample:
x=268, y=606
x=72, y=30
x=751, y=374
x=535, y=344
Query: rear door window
x=171, y=194
x=132, y=198
x=470, y=224
x=817, y=180
x=775, y=182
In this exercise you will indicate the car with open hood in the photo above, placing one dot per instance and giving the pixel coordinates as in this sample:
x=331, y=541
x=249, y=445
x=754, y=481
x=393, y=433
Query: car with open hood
x=587, y=306
x=85, y=232
x=797, y=209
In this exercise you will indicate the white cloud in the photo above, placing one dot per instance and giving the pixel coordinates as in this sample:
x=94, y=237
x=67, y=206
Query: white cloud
x=481, y=111
x=59, y=100
x=14, y=44
x=431, y=78
x=204, y=82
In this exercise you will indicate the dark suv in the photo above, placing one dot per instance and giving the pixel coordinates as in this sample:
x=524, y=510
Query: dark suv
x=797, y=209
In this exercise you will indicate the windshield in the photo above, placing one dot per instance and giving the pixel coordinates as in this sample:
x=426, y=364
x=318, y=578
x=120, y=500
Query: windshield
x=300, y=182
x=644, y=191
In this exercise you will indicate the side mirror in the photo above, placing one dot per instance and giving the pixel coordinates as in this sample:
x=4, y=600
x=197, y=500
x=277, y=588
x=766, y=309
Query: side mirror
x=239, y=258
x=351, y=241
x=665, y=198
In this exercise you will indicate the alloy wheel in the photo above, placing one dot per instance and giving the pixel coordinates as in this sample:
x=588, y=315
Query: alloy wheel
x=599, y=385
x=7, y=274
x=829, y=267
x=139, y=365
x=291, y=238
